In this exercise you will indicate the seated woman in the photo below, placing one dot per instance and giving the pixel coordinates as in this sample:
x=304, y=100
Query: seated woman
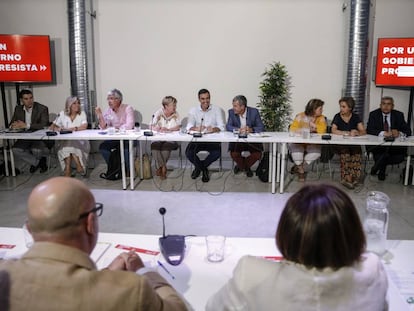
x=312, y=120
x=348, y=123
x=324, y=266
x=74, y=119
x=166, y=119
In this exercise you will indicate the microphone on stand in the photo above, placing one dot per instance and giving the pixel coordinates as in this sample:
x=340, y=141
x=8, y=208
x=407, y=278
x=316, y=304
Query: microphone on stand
x=162, y=211
x=200, y=133
x=150, y=132
x=172, y=246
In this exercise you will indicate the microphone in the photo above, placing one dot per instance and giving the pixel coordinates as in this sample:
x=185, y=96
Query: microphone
x=150, y=132
x=200, y=133
x=172, y=246
x=162, y=211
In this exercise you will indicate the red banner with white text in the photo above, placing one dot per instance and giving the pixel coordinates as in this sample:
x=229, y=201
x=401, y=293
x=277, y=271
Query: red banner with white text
x=25, y=58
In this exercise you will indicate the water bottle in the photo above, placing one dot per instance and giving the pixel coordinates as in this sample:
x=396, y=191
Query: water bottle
x=376, y=222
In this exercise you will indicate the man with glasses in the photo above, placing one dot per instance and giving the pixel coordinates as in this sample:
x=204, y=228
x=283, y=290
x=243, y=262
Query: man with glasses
x=56, y=273
x=387, y=122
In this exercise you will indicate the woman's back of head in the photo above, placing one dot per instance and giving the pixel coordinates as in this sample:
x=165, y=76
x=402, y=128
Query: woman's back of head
x=320, y=227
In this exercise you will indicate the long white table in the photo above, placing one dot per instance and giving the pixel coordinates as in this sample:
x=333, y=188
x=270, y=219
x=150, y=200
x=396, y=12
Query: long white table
x=264, y=138
x=129, y=136
x=276, y=159
x=367, y=140
x=197, y=279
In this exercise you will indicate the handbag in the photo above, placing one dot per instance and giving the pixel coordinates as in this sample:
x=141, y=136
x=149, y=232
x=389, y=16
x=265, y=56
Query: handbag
x=146, y=167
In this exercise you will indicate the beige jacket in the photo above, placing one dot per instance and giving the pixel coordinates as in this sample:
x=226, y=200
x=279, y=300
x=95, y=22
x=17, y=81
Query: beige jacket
x=56, y=277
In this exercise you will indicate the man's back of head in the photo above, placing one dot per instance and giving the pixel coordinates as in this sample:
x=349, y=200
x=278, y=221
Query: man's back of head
x=53, y=209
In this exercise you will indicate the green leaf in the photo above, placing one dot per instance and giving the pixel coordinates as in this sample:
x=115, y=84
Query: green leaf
x=275, y=98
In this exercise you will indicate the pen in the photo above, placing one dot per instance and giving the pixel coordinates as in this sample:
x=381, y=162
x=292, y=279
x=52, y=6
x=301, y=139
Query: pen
x=165, y=269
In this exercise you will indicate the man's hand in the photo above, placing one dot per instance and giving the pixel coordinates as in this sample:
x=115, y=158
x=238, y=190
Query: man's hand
x=18, y=125
x=245, y=130
x=395, y=133
x=126, y=261
x=98, y=111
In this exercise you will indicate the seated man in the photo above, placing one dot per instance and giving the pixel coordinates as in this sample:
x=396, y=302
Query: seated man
x=30, y=116
x=118, y=115
x=57, y=273
x=204, y=119
x=386, y=122
x=245, y=120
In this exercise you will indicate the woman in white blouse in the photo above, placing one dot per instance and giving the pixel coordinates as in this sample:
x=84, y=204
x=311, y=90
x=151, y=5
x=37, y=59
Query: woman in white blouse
x=165, y=120
x=74, y=119
x=325, y=266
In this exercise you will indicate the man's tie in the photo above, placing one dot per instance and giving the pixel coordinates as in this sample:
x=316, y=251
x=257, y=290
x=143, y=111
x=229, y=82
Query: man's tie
x=386, y=127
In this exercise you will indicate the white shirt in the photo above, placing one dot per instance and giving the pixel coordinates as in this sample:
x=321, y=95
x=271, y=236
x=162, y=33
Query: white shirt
x=211, y=117
x=260, y=284
x=243, y=118
x=388, y=121
x=28, y=116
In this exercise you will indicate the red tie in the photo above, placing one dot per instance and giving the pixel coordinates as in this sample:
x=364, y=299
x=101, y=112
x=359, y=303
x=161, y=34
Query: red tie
x=386, y=127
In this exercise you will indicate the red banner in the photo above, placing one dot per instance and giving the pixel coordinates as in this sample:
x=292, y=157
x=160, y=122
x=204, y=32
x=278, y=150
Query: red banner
x=25, y=58
x=395, y=62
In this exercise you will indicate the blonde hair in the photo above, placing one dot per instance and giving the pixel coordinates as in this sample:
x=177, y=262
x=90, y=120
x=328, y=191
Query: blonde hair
x=168, y=100
x=69, y=102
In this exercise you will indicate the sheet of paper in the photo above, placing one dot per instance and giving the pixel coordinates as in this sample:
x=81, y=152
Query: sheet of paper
x=99, y=250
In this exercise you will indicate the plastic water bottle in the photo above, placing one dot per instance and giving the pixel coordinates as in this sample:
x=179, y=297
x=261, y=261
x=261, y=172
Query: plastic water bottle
x=376, y=222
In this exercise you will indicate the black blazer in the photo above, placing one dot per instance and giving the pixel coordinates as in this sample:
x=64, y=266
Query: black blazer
x=376, y=122
x=40, y=116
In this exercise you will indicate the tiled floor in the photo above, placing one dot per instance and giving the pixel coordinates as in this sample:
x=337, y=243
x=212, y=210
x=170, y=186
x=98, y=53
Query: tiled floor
x=229, y=204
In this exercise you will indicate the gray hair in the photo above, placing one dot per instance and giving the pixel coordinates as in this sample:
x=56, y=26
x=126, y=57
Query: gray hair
x=115, y=93
x=241, y=99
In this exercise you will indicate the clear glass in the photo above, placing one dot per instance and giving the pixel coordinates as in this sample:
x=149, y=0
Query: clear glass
x=306, y=133
x=215, y=247
x=376, y=221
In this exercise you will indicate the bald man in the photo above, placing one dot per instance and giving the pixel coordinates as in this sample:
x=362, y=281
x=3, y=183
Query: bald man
x=57, y=273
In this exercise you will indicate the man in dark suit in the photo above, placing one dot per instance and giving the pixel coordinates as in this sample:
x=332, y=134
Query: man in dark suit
x=30, y=116
x=387, y=122
x=244, y=120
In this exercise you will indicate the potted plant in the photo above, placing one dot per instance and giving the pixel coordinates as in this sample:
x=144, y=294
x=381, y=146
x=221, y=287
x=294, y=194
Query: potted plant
x=275, y=98
x=274, y=106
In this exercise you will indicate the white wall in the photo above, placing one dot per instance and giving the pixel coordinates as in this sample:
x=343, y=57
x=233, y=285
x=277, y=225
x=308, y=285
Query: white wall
x=153, y=48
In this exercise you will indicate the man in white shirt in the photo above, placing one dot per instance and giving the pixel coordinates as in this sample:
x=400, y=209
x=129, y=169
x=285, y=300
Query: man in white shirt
x=204, y=119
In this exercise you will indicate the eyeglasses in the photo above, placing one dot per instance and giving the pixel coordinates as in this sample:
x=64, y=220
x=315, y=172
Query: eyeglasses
x=98, y=209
